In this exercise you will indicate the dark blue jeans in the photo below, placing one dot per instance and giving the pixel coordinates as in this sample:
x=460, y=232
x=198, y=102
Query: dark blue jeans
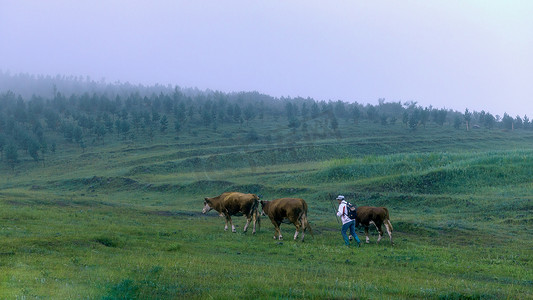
x=350, y=225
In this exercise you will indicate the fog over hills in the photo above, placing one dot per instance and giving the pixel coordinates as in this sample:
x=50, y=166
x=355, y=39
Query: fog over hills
x=447, y=54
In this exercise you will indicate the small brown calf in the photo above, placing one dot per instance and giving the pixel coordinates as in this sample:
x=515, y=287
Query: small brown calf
x=378, y=216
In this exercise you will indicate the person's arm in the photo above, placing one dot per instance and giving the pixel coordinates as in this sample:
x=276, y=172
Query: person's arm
x=340, y=212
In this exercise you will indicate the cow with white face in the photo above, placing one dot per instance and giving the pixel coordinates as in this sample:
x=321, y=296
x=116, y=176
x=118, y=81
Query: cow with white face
x=234, y=204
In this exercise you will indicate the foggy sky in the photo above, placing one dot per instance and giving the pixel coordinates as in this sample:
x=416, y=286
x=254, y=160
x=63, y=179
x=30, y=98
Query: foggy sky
x=446, y=53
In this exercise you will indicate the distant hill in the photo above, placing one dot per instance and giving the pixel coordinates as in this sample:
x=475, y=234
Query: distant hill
x=39, y=114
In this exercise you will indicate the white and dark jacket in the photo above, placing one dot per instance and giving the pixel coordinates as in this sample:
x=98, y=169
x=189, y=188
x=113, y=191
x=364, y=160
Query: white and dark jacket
x=342, y=212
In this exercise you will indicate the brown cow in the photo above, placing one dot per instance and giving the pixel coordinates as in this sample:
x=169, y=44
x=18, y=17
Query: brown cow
x=234, y=204
x=378, y=216
x=287, y=210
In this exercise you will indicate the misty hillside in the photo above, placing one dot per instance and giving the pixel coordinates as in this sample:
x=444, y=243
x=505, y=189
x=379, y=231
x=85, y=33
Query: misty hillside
x=102, y=192
x=39, y=115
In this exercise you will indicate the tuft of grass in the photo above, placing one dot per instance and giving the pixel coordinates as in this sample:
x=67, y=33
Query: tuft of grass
x=106, y=241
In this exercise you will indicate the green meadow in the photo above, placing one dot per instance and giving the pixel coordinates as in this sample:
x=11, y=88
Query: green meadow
x=122, y=219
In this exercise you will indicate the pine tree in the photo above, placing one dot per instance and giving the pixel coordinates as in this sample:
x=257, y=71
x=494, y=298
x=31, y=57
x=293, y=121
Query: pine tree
x=177, y=127
x=164, y=124
x=334, y=123
x=12, y=156
x=467, y=117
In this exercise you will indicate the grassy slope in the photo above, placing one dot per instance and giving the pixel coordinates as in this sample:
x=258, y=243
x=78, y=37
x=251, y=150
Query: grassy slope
x=122, y=220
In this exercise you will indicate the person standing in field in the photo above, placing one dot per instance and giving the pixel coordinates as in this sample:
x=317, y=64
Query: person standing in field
x=347, y=223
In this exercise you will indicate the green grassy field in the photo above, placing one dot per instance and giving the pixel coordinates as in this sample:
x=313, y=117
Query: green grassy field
x=123, y=220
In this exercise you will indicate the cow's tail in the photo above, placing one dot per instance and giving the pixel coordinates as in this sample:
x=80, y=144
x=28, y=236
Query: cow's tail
x=257, y=218
x=308, y=226
x=388, y=225
x=254, y=212
x=387, y=219
x=305, y=223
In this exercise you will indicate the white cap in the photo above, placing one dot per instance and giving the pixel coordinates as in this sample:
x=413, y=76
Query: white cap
x=340, y=197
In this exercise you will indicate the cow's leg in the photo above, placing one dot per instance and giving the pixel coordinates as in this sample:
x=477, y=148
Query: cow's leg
x=254, y=220
x=228, y=219
x=366, y=234
x=304, y=222
x=226, y=227
x=380, y=230
x=248, y=219
x=298, y=225
x=388, y=226
x=278, y=229
x=277, y=232
x=258, y=220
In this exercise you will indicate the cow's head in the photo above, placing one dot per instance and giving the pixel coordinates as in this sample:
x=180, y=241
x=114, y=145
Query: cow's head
x=207, y=205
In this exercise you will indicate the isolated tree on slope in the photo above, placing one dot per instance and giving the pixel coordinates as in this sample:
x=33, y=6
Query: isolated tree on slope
x=468, y=117
x=12, y=156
